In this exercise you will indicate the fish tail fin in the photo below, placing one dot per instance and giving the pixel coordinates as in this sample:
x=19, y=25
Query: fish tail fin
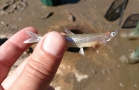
x=34, y=37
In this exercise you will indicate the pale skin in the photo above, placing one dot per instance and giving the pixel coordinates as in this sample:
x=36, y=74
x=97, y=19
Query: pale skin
x=38, y=70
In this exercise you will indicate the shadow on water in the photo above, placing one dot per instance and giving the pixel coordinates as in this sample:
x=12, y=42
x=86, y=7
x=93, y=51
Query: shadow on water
x=76, y=50
x=29, y=50
x=69, y=1
x=76, y=31
x=2, y=40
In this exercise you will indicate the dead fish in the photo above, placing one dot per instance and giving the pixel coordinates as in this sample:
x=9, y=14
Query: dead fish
x=79, y=40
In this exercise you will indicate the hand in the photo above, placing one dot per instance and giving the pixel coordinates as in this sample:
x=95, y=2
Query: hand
x=38, y=70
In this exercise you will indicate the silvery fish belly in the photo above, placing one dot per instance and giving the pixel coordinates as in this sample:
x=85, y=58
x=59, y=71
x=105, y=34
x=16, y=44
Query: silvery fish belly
x=79, y=40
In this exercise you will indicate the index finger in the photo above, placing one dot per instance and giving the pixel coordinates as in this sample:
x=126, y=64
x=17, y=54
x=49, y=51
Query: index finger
x=12, y=49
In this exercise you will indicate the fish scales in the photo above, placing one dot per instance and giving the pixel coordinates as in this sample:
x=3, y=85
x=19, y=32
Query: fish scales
x=84, y=40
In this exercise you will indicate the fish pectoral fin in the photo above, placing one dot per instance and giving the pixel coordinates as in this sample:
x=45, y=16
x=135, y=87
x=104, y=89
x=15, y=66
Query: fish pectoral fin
x=68, y=31
x=81, y=51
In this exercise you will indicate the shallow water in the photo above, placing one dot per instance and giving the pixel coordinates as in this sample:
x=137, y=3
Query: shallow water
x=100, y=68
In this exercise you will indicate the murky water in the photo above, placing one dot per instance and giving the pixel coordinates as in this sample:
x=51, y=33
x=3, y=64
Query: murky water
x=100, y=68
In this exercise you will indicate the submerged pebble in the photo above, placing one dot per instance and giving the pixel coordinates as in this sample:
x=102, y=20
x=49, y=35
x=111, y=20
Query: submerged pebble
x=2, y=22
x=135, y=85
x=9, y=29
x=118, y=65
x=9, y=6
x=71, y=17
x=123, y=59
x=121, y=84
x=128, y=60
x=104, y=71
x=136, y=69
x=94, y=72
x=108, y=78
x=97, y=51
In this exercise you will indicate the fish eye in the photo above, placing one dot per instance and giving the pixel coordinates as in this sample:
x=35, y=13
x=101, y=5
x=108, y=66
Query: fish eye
x=113, y=34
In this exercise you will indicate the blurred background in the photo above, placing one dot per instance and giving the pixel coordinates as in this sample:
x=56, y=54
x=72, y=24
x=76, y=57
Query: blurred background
x=107, y=67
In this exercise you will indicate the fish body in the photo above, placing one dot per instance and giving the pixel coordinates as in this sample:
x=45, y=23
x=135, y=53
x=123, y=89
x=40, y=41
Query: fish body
x=85, y=40
x=79, y=40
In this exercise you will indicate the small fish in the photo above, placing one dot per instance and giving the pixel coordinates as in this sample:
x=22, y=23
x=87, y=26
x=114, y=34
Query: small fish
x=79, y=40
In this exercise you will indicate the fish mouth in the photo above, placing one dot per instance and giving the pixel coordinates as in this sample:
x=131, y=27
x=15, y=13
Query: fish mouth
x=116, y=31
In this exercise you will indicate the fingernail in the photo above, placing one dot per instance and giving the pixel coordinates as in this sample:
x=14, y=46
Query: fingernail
x=53, y=43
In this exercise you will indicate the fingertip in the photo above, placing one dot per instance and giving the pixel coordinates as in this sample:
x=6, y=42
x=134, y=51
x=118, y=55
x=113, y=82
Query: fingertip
x=54, y=43
x=32, y=29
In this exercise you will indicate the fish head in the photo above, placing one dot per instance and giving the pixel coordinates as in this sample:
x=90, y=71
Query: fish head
x=110, y=35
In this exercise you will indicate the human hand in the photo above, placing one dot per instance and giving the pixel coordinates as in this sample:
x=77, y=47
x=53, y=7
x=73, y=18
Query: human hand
x=38, y=70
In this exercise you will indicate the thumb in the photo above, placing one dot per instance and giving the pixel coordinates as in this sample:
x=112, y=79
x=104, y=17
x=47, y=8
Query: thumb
x=42, y=64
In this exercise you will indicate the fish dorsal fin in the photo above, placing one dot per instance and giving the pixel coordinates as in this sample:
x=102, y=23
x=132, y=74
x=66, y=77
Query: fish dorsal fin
x=68, y=32
x=81, y=51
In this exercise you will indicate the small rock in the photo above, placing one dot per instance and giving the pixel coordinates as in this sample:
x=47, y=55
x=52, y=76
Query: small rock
x=71, y=17
x=94, y=72
x=121, y=84
x=135, y=85
x=20, y=19
x=108, y=78
x=97, y=51
x=104, y=71
x=118, y=65
x=2, y=22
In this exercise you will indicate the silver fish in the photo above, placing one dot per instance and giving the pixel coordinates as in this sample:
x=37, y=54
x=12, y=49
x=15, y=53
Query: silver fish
x=79, y=40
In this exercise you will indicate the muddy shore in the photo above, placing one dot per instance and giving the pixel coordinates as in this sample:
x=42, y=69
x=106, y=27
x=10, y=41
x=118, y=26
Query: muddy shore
x=100, y=68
